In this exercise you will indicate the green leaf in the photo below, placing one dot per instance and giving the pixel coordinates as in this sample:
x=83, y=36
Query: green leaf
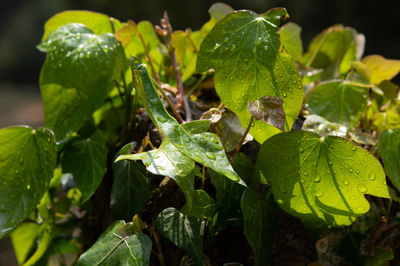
x=338, y=101
x=323, y=127
x=260, y=218
x=244, y=49
x=27, y=161
x=204, y=148
x=76, y=75
x=112, y=248
x=203, y=206
x=386, y=120
x=184, y=231
x=167, y=160
x=130, y=190
x=381, y=68
x=321, y=180
x=334, y=49
x=23, y=239
x=97, y=22
x=230, y=193
x=86, y=161
x=291, y=39
x=389, y=145
x=44, y=244
x=270, y=110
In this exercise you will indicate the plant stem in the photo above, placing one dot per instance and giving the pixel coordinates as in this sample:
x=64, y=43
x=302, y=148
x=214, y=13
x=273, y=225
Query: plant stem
x=242, y=140
x=171, y=105
x=160, y=255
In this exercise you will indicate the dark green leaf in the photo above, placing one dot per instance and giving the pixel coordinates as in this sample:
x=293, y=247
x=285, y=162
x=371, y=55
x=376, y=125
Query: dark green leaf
x=338, y=101
x=203, y=206
x=27, y=161
x=130, y=191
x=244, y=49
x=389, y=145
x=260, y=216
x=97, y=22
x=76, y=75
x=204, y=148
x=291, y=39
x=114, y=249
x=270, y=110
x=184, y=231
x=321, y=180
x=86, y=161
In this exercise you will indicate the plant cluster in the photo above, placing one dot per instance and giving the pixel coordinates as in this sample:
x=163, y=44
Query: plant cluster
x=163, y=141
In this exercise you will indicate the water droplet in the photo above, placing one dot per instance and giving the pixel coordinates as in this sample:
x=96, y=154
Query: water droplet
x=354, y=148
x=351, y=171
x=305, y=173
x=384, y=183
x=279, y=201
x=282, y=189
x=330, y=162
x=372, y=176
x=362, y=189
x=162, y=119
x=360, y=209
x=357, y=172
x=317, y=178
x=28, y=186
x=302, y=180
x=346, y=182
x=284, y=94
x=210, y=155
x=216, y=45
x=318, y=194
x=266, y=48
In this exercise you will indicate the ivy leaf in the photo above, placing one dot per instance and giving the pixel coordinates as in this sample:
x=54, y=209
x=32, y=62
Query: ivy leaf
x=338, y=101
x=86, y=161
x=291, y=39
x=203, y=206
x=204, y=148
x=76, y=75
x=27, y=161
x=184, y=231
x=381, y=68
x=97, y=22
x=244, y=49
x=112, y=248
x=270, y=110
x=320, y=180
x=389, y=145
x=130, y=190
x=334, y=49
x=260, y=218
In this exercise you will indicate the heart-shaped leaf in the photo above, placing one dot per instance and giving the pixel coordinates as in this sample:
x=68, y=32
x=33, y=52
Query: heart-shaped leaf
x=184, y=231
x=27, y=161
x=113, y=248
x=338, y=101
x=86, y=161
x=76, y=75
x=204, y=148
x=321, y=180
x=244, y=49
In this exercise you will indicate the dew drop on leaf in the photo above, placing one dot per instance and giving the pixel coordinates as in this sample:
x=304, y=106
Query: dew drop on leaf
x=362, y=189
x=210, y=155
x=317, y=178
x=372, y=176
x=346, y=182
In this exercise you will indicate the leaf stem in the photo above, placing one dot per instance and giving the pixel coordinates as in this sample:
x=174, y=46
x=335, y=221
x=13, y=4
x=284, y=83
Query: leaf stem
x=242, y=140
x=171, y=105
x=159, y=254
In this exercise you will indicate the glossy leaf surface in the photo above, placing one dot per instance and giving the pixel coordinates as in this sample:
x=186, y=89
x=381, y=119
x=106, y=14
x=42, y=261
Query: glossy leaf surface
x=86, y=161
x=244, y=50
x=27, y=161
x=97, y=22
x=389, y=145
x=76, y=75
x=260, y=217
x=130, y=191
x=320, y=180
x=204, y=148
x=338, y=101
x=112, y=248
x=184, y=231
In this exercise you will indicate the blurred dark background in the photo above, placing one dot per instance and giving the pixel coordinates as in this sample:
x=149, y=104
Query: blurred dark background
x=21, y=27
